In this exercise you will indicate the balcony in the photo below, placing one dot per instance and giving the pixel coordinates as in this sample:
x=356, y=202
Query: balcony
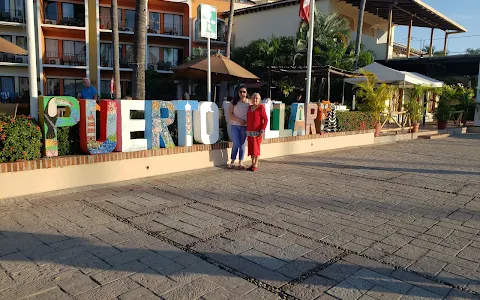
x=65, y=20
x=123, y=25
x=16, y=59
x=65, y=59
x=163, y=66
x=107, y=62
x=168, y=29
x=11, y=15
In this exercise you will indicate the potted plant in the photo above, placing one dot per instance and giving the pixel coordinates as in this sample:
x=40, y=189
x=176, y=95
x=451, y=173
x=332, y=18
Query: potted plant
x=466, y=102
x=444, y=109
x=413, y=106
x=374, y=97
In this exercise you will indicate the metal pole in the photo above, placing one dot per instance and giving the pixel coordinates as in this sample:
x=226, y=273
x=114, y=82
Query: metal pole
x=309, y=58
x=409, y=36
x=430, y=50
x=32, y=59
x=445, y=44
x=343, y=92
x=361, y=12
x=209, y=73
x=328, y=87
x=389, y=32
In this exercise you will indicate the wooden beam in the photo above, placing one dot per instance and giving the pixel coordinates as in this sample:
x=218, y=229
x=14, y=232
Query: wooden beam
x=430, y=51
x=445, y=43
x=409, y=36
x=389, y=29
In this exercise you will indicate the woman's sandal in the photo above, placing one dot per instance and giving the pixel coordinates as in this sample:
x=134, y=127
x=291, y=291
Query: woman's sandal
x=254, y=169
x=241, y=167
x=250, y=168
x=231, y=165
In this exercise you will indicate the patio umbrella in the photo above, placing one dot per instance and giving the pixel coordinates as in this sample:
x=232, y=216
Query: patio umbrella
x=223, y=69
x=8, y=47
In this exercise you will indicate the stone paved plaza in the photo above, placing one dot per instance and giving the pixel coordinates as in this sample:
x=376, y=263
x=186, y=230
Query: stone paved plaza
x=382, y=222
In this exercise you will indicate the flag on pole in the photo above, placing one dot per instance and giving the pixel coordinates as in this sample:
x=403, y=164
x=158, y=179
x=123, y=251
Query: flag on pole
x=304, y=12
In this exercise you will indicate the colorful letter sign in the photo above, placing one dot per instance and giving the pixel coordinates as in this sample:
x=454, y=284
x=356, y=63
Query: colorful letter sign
x=158, y=115
x=297, y=119
x=269, y=134
x=88, y=126
x=205, y=123
x=311, y=116
x=126, y=125
x=184, y=110
x=49, y=120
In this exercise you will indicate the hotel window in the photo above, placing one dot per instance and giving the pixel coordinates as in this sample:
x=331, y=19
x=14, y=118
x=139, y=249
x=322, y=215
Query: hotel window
x=23, y=85
x=170, y=55
x=154, y=22
x=172, y=24
x=72, y=87
x=128, y=54
x=51, y=50
x=129, y=20
x=7, y=86
x=51, y=11
x=53, y=86
x=74, y=51
x=7, y=37
x=22, y=42
x=105, y=88
x=106, y=55
x=105, y=20
x=153, y=55
x=5, y=6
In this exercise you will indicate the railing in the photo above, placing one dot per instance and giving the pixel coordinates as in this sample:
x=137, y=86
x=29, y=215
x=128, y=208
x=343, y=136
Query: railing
x=107, y=62
x=169, y=29
x=65, y=19
x=123, y=25
x=163, y=65
x=12, y=15
x=10, y=58
x=66, y=59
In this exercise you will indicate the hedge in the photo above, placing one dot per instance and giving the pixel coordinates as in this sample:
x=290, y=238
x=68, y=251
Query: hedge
x=20, y=139
x=355, y=120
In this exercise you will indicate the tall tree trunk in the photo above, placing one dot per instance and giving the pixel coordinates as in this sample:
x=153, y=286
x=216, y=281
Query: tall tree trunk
x=116, y=52
x=140, y=31
x=361, y=13
x=230, y=25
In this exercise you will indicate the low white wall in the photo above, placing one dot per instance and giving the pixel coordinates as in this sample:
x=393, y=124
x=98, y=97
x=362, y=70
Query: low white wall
x=22, y=183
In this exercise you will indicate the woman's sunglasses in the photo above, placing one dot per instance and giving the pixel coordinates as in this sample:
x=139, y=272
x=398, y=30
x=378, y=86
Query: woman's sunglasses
x=243, y=92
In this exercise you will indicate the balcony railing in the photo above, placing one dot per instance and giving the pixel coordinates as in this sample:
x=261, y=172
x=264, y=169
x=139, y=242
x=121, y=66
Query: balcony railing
x=65, y=20
x=10, y=58
x=163, y=65
x=169, y=29
x=123, y=25
x=65, y=59
x=107, y=62
x=12, y=15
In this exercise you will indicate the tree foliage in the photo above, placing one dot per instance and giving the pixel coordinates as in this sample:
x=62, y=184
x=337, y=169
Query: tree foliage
x=373, y=95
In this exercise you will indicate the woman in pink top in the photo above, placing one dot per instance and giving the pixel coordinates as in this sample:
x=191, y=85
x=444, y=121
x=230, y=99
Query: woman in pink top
x=237, y=113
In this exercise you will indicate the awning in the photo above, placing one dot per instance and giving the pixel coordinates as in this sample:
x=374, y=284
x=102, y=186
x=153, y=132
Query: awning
x=403, y=10
x=11, y=48
x=391, y=76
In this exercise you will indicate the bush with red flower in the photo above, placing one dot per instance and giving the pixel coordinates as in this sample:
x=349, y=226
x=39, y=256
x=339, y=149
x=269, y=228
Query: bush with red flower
x=355, y=120
x=20, y=139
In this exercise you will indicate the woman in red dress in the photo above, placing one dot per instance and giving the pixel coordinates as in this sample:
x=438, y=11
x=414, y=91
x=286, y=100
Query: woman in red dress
x=256, y=123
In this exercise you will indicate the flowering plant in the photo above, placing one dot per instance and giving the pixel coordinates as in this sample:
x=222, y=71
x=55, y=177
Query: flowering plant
x=20, y=139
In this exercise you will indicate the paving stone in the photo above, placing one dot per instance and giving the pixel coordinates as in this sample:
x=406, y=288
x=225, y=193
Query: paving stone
x=459, y=295
x=297, y=267
x=422, y=282
x=232, y=283
x=311, y=288
x=323, y=254
x=417, y=293
x=155, y=282
x=121, y=271
x=369, y=264
x=220, y=294
x=53, y=294
x=386, y=281
x=161, y=264
x=260, y=294
x=339, y=271
x=139, y=293
x=397, y=240
x=22, y=290
x=379, y=292
x=428, y=266
x=191, y=290
x=470, y=253
x=74, y=282
x=411, y=252
x=110, y=291
x=346, y=291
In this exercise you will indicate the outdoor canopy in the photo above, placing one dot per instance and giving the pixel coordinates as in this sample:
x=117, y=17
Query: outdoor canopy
x=222, y=68
x=391, y=76
x=8, y=47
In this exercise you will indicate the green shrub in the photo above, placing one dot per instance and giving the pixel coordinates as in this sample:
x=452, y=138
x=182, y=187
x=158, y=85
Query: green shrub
x=68, y=140
x=355, y=120
x=20, y=139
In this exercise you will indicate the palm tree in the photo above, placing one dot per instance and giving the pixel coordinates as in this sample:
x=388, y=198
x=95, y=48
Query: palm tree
x=331, y=31
x=140, y=30
x=426, y=49
x=230, y=26
x=116, y=52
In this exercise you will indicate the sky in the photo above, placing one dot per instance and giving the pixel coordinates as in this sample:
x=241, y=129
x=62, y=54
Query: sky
x=463, y=12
